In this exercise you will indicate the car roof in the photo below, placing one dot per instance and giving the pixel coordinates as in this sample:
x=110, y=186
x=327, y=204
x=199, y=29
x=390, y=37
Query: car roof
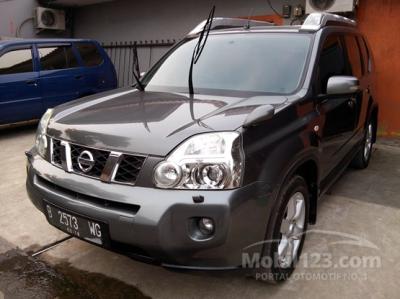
x=275, y=29
x=22, y=41
x=312, y=24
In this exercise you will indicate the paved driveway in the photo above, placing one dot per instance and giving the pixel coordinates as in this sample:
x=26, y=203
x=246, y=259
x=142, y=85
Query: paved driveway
x=359, y=220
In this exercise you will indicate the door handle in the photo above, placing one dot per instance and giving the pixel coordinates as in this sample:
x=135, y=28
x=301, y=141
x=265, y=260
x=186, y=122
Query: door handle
x=351, y=102
x=31, y=82
x=79, y=77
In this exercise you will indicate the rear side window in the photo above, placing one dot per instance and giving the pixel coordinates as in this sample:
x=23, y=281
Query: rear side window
x=89, y=53
x=365, y=54
x=57, y=58
x=16, y=61
x=353, y=53
x=332, y=62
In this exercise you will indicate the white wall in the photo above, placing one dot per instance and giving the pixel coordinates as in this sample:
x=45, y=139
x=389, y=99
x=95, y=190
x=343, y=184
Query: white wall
x=18, y=14
x=13, y=13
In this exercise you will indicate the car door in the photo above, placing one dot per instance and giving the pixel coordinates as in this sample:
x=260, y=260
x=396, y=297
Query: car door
x=358, y=70
x=337, y=112
x=19, y=87
x=61, y=75
x=368, y=78
x=99, y=72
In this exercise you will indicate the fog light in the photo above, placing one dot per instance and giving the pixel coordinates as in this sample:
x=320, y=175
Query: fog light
x=206, y=226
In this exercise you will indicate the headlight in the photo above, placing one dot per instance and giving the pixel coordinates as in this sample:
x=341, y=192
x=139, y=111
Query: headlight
x=205, y=161
x=41, y=139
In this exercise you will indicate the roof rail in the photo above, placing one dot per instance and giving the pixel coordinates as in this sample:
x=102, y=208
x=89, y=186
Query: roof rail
x=224, y=23
x=316, y=21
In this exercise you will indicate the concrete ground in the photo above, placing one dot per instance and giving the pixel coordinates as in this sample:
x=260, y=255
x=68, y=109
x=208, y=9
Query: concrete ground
x=358, y=219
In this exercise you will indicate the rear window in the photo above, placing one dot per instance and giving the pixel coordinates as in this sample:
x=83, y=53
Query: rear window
x=353, y=53
x=16, y=61
x=332, y=62
x=365, y=54
x=57, y=58
x=89, y=53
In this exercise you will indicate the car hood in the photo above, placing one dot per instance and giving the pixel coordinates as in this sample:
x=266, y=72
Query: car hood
x=129, y=120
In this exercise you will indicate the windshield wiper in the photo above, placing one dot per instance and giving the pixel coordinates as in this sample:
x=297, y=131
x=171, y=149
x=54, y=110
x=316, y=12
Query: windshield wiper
x=136, y=70
x=198, y=49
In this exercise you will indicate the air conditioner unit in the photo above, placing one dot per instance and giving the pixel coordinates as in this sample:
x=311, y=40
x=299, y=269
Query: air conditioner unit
x=48, y=18
x=329, y=6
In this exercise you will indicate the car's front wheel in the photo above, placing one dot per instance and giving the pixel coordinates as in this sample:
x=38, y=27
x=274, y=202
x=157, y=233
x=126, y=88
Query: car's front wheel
x=290, y=219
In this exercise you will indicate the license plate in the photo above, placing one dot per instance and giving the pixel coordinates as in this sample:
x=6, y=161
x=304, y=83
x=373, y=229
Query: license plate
x=77, y=226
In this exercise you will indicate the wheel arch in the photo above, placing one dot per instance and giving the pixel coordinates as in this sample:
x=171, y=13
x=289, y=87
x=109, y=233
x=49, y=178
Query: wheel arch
x=309, y=171
x=305, y=164
x=372, y=114
x=374, y=118
x=307, y=167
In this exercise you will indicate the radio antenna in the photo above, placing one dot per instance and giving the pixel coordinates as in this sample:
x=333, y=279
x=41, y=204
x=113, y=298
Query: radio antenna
x=248, y=18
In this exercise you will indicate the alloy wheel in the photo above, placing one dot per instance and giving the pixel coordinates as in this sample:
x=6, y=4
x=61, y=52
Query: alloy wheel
x=292, y=228
x=368, y=142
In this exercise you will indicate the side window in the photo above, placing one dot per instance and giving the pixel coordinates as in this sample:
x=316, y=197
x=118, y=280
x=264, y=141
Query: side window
x=353, y=53
x=89, y=53
x=57, y=58
x=365, y=54
x=332, y=62
x=16, y=61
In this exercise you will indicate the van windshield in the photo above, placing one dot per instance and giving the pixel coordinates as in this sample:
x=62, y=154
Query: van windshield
x=256, y=62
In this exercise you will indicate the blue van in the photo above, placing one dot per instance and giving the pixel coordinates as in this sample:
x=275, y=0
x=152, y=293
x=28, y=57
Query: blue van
x=41, y=73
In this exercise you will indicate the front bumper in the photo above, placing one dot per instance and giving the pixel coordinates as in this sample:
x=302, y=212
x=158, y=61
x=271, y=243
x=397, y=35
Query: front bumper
x=154, y=224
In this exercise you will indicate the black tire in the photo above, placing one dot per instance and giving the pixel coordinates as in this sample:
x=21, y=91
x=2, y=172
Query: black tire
x=362, y=158
x=277, y=273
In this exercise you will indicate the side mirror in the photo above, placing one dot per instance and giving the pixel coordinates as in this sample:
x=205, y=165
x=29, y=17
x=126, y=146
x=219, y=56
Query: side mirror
x=259, y=115
x=342, y=85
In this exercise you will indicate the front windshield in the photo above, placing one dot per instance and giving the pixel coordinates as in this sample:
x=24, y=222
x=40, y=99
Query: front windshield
x=258, y=62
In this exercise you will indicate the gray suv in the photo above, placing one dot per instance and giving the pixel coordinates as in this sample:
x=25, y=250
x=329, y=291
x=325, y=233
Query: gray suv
x=220, y=152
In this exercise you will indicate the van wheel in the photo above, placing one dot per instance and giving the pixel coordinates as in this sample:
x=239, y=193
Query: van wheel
x=284, y=242
x=361, y=160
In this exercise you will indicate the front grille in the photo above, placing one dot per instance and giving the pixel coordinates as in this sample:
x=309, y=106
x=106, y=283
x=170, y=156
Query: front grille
x=56, y=158
x=100, y=158
x=129, y=169
x=96, y=201
x=121, y=168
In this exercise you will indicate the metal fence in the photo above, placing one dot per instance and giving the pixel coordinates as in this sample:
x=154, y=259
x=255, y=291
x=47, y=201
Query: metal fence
x=121, y=54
